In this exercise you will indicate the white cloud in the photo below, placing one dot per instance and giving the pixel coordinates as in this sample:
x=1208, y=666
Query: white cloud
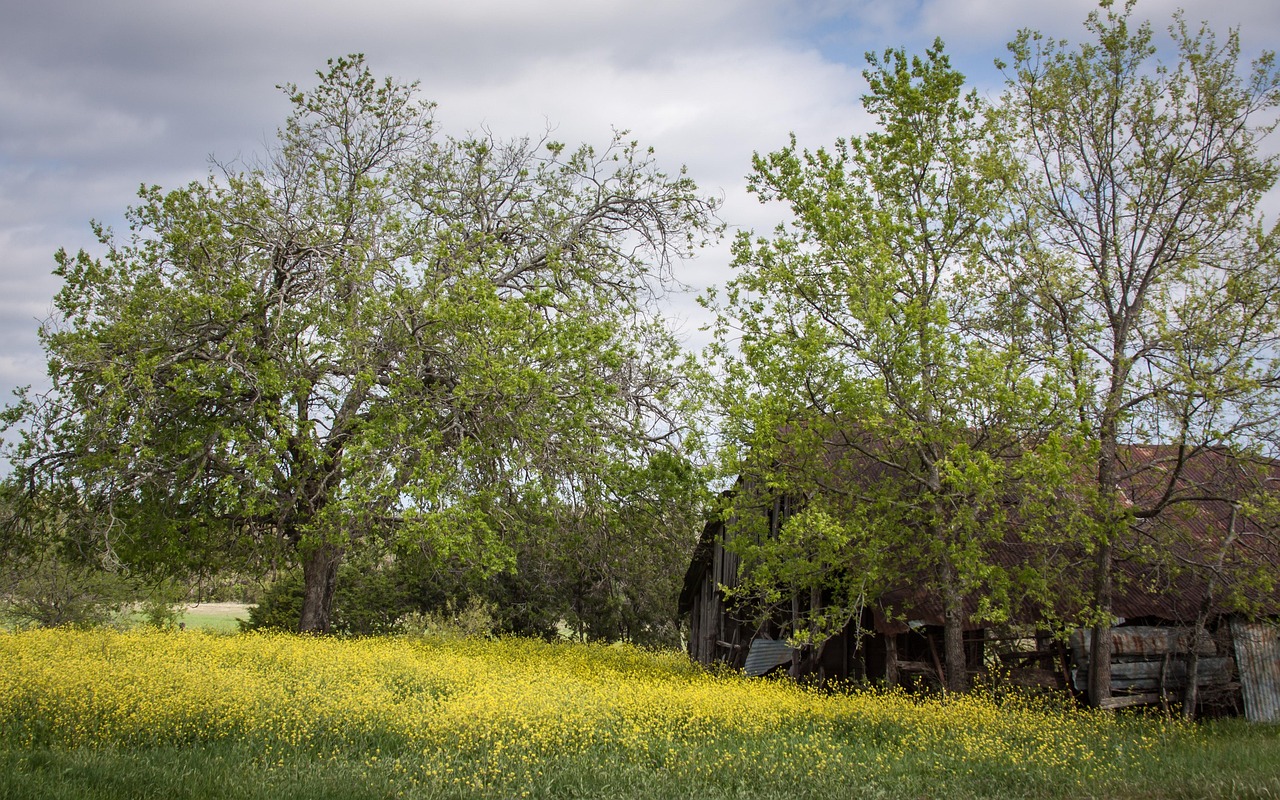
x=96, y=98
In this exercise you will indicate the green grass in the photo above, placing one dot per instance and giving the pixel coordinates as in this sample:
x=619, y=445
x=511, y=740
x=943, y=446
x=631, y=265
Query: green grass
x=222, y=770
x=216, y=617
x=212, y=617
x=1231, y=761
x=184, y=715
x=1227, y=759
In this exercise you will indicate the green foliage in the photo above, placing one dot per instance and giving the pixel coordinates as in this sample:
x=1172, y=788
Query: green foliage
x=225, y=586
x=374, y=334
x=614, y=567
x=813, y=549
x=475, y=618
x=884, y=380
x=608, y=575
x=1151, y=272
x=370, y=598
x=163, y=604
x=280, y=606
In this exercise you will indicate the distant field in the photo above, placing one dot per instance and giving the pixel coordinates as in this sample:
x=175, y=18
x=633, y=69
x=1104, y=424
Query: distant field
x=105, y=714
x=218, y=617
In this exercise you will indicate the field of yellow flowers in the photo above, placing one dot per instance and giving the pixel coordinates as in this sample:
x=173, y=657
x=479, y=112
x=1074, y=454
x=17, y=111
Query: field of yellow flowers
x=515, y=718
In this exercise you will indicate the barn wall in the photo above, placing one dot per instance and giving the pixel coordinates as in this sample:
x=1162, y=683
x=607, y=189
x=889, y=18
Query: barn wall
x=714, y=635
x=1149, y=664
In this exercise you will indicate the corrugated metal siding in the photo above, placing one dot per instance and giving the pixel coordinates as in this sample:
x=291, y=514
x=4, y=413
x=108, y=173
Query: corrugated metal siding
x=766, y=654
x=1257, y=648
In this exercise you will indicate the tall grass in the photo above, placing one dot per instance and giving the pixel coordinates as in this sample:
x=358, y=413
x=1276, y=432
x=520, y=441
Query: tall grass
x=516, y=718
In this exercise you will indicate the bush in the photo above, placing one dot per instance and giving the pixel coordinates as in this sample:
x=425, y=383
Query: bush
x=49, y=592
x=163, y=604
x=280, y=607
x=545, y=593
x=370, y=597
x=475, y=618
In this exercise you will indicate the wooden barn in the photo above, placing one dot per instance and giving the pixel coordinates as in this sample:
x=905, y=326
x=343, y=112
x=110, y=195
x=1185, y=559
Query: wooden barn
x=1171, y=622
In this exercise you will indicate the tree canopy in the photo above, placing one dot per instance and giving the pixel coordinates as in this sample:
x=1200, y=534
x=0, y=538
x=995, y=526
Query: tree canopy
x=881, y=377
x=376, y=330
x=974, y=314
x=1148, y=264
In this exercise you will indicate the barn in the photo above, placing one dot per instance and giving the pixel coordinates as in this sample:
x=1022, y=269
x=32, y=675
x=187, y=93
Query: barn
x=1178, y=616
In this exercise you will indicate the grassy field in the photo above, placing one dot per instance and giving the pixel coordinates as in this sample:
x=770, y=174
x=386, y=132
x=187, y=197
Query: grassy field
x=216, y=617
x=192, y=714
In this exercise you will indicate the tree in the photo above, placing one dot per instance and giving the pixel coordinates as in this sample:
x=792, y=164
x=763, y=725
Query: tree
x=616, y=562
x=882, y=379
x=376, y=331
x=1146, y=257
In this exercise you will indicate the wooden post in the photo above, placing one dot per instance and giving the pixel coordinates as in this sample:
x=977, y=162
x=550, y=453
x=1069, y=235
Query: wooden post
x=937, y=662
x=845, y=658
x=891, y=660
x=1164, y=681
x=1063, y=657
x=795, y=620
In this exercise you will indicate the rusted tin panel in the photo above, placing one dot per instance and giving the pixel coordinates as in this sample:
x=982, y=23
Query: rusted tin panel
x=1194, y=528
x=1257, y=647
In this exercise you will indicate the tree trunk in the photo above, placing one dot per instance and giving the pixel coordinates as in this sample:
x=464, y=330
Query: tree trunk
x=957, y=677
x=891, y=660
x=1111, y=521
x=1192, y=694
x=1100, y=647
x=319, y=579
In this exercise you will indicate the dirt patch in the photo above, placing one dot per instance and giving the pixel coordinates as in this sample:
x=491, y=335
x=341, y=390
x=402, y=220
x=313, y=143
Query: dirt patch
x=219, y=609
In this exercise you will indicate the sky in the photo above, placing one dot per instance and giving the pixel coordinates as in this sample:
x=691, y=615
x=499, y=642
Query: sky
x=98, y=98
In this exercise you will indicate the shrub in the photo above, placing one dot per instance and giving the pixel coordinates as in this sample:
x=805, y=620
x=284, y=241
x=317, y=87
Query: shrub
x=49, y=592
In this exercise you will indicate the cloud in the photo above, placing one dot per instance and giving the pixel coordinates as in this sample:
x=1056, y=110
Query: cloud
x=97, y=98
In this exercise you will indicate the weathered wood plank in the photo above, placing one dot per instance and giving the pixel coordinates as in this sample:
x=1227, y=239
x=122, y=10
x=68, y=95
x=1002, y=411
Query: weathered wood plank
x=1124, y=701
x=1145, y=641
x=1146, y=675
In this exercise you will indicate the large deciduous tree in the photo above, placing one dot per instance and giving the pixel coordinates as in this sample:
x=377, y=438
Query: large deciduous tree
x=377, y=329
x=1149, y=265
x=880, y=379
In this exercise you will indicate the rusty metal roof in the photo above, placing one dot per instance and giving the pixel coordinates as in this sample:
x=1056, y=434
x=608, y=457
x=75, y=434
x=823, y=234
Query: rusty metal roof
x=1204, y=527
x=1161, y=566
